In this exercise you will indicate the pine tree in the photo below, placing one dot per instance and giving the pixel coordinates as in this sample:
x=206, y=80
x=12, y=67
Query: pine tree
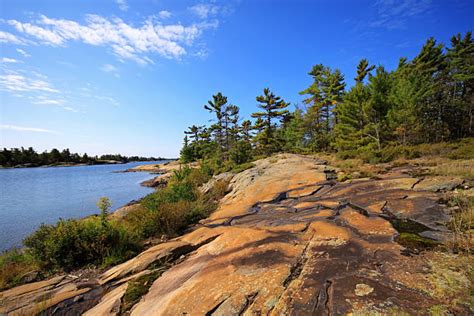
x=246, y=129
x=352, y=119
x=217, y=106
x=274, y=108
x=377, y=107
x=293, y=132
x=323, y=95
x=460, y=87
x=363, y=69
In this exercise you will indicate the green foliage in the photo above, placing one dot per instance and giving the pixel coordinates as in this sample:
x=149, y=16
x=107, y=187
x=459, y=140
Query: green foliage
x=75, y=243
x=241, y=152
x=323, y=96
x=425, y=100
x=274, y=107
x=293, y=133
x=104, y=206
x=171, y=209
x=30, y=158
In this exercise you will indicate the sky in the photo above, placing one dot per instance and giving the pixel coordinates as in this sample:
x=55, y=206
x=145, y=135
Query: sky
x=129, y=76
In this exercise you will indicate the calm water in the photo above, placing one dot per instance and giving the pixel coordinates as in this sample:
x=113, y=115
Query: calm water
x=31, y=196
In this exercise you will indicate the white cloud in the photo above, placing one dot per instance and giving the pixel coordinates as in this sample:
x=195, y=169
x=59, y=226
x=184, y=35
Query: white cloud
x=6, y=60
x=22, y=52
x=26, y=129
x=125, y=40
x=46, y=101
x=204, y=10
x=6, y=37
x=47, y=36
x=122, y=4
x=15, y=82
x=164, y=14
x=110, y=69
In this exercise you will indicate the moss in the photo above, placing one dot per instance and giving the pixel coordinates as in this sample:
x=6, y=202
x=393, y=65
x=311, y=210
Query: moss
x=136, y=289
x=451, y=280
x=414, y=241
x=408, y=226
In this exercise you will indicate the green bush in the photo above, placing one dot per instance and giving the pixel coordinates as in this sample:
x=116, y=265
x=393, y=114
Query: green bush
x=241, y=153
x=75, y=243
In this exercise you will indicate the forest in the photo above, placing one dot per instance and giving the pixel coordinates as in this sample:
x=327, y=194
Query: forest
x=382, y=116
x=30, y=158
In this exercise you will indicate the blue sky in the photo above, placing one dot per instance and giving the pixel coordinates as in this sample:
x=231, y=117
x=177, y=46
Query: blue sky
x=123, y=76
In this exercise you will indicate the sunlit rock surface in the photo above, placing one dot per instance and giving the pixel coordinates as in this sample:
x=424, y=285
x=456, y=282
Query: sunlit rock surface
x=286, y=240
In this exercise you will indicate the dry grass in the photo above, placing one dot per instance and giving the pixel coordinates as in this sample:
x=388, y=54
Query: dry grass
x=451, y=280
x=462, y=223
x=455, y=168
x=351, y=168
x=14, y=265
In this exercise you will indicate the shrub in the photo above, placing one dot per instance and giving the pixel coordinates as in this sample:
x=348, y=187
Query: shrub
x=241, y=152
x=243, y=167
x=75, y=243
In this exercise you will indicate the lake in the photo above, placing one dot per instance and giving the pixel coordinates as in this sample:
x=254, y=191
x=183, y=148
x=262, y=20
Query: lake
x=31, y=196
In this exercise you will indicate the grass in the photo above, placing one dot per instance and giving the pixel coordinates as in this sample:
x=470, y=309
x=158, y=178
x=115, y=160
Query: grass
x=462, y=223
x=350, y=168
x=458, y=168
x=15, y=265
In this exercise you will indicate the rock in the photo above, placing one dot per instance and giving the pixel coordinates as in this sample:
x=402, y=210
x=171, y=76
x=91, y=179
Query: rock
x=226, y=176
x=439, y=183
x=284, y=241
x=29, y=277
x=363, y=289
x=109, y=304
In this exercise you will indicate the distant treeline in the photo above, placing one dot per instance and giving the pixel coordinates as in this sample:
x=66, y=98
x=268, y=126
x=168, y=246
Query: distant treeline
x=30, y=158
x=427, y=99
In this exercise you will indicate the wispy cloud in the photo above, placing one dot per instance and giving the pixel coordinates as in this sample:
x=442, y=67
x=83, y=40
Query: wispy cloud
x=205, y=10
x=393, y=14
x=26, y=129
x=110, y=69
x=122, y=4
x=126, y=41
x=22, y=52
x=15, y=82
x=164, y=14
x=7, y=60
x=6, y=37
x=47, y=101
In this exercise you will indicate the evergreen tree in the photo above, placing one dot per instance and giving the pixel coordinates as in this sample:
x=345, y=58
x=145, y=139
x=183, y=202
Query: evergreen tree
x=460, y=86
x=293, y=132
x=246, y=130
x=323, y=95
x=274, y=108
x=377, y=107
x=217, y=106
x=187, y=152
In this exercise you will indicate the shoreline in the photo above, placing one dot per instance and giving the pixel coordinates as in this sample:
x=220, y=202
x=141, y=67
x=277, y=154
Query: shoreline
x=121, y=210
x=102, y=162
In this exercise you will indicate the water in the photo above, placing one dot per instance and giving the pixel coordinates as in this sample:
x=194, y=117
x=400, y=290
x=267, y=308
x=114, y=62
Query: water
x=31, y=196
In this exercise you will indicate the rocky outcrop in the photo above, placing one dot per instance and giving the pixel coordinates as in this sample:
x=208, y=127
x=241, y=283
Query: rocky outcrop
x=287, y=240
